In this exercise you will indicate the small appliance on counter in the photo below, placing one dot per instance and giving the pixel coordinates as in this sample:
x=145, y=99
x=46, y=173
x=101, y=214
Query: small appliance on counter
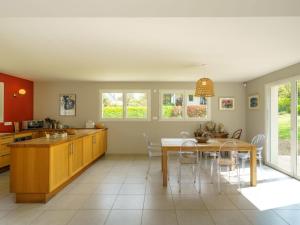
x=32, y=124
x=89, y=124
x=16, y=127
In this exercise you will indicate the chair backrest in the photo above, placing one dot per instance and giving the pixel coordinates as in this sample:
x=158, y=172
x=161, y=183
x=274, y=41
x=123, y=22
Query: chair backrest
x=191, y=144
x=147, y=139
x=231, y=148
x=237, y=134
x=259, y=141
x=184, y=134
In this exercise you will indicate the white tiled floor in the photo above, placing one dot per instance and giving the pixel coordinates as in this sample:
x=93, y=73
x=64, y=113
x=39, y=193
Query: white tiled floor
x=114, y=191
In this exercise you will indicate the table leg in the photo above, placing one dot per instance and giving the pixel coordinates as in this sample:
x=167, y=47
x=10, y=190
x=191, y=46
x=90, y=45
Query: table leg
x=165, y=167
x=162, y=164
x=253, y=167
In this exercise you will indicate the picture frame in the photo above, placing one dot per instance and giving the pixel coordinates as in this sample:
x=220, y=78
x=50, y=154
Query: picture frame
x=226, y=103
x=253, y=101
x=67, y=104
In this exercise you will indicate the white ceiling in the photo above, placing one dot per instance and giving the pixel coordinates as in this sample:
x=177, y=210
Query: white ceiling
x=149, y=8
x=147, y=49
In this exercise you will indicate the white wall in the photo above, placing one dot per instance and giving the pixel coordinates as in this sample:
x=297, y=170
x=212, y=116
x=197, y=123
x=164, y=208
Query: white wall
x=125, y=137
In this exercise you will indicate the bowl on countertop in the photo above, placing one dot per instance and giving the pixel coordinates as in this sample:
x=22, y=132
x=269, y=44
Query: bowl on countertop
x=71, y=131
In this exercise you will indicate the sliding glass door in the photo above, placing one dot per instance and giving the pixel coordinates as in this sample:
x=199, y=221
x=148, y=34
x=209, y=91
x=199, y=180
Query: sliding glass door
x=298, y=131
x=280, y=151
x=283, y=128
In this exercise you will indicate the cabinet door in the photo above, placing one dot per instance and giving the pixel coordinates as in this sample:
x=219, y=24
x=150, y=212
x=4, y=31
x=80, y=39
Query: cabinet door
x=76, y=157
x=87, y=149
x=105, y=141
x=101, y=142
x=4, y=160
x=4, y=149
x=96, y=147
x=59, y=164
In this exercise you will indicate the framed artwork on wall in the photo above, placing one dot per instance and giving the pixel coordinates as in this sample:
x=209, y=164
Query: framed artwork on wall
x=226, y=103
x=253, y=102
x=67, y=104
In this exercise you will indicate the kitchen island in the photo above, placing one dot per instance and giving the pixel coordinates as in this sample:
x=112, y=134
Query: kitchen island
x=41, y=167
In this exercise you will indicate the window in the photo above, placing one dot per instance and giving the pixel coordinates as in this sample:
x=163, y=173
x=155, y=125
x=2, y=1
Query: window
x=125, y=105
x=136, y=105
x=172, y=105
x=183, y=105
x=112, y=105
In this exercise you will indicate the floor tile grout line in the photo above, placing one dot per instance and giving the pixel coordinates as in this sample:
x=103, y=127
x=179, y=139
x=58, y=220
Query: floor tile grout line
x=281, y=217
x=209, y=213
x=144, y=201
x=109, y=212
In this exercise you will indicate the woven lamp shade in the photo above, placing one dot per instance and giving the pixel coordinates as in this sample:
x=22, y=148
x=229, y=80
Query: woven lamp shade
x=204, y=88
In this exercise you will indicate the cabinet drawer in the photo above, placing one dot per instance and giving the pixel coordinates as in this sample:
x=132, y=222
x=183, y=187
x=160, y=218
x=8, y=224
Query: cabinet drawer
x=6, y=140
x=4, y=149
x=4, y=160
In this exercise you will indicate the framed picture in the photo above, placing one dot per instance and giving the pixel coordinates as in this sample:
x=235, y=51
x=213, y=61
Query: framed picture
x=253, y=102
x=226, y=103
x=67, y=105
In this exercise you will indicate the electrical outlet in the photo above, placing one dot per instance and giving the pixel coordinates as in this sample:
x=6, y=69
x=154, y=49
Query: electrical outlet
x=7, y=123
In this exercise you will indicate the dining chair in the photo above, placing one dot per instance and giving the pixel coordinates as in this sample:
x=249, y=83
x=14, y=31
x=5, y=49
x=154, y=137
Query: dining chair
x=237, y=134
x=184, y=134
x=153, y=150
x=190, y=158
x=259, y=141
x=229, y=160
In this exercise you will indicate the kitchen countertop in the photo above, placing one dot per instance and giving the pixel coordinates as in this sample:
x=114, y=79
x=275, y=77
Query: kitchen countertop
x=6, y=134
x=47, y=142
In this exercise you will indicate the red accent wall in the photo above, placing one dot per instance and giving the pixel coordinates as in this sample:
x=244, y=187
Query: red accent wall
x=16, y=108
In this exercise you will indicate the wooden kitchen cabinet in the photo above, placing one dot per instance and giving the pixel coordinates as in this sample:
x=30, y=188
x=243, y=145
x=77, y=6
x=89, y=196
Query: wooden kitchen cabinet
x=5, y=150
x=87, y=149
x=76, y=156
x=42, y=167
x=104, y=140
x=59, y=164
x=66, y=160
x=100, y=143
x=4, y=160
x=96, y=146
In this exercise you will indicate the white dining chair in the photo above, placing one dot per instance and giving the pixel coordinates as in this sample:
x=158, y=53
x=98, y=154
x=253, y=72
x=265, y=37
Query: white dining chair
x=184, y=134
x=259, y=142
x=229, y=160
x=153, y=150
x=190, y=158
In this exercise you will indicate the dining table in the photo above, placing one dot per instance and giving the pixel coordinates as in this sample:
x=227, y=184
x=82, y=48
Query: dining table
x=212, y=145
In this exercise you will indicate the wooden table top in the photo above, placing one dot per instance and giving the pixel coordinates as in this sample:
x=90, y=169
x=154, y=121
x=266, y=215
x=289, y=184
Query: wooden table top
x=212, y=144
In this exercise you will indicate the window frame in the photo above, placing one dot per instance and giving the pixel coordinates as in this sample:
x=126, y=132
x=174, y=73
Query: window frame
x=184, y=117
x=124, y=93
